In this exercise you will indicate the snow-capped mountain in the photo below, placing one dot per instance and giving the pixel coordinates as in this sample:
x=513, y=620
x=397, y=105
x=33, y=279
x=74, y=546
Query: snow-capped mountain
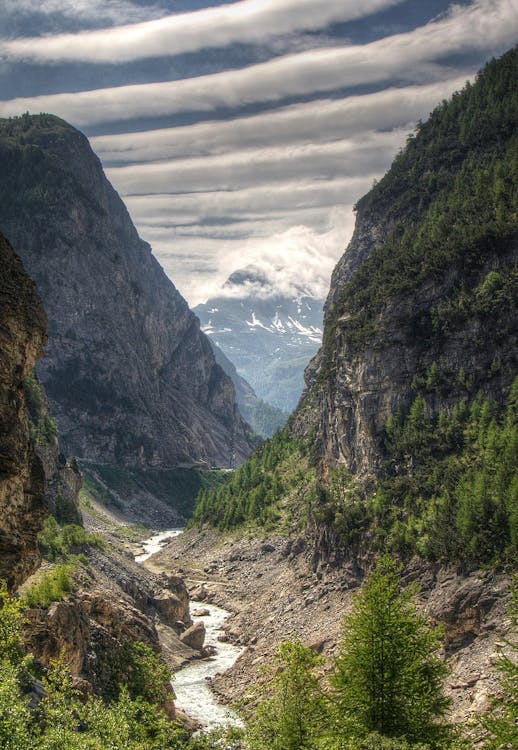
x=270, y=337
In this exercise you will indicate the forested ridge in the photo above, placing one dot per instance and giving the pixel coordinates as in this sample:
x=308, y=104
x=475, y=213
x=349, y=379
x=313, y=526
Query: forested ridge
x=446, y=480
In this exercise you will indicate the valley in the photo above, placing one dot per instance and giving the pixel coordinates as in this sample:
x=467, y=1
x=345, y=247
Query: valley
x=339, y=573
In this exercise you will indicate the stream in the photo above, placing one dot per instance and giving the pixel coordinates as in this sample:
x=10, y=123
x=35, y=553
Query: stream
x=191, y=683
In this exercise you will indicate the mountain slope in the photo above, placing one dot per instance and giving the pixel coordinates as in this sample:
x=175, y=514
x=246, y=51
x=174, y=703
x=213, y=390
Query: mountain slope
x=264, y=418
x=22, y=483
x=129, y=376
x=269, y=336
x=410, y=409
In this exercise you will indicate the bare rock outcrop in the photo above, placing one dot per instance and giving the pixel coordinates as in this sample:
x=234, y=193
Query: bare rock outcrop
x=130, y=377
x=114, y=603
x=22, y=337
x=194, y=636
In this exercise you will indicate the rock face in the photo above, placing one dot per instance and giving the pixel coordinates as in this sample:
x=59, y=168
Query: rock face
x=129, y=376
x=22, y=337
x=62, y=477
x=416, y=294
x=114, y=603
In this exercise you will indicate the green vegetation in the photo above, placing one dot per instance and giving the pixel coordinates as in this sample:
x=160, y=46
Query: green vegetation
x=59, y=542
x=63, y=546
x=177, y=488
x=388, y=677
x=384, y=692
x=264, y=418
x=294, y=713
x=501, y=723
x=254, y=492
x=50, y=586
x=66, y=720
x=448, y=491
x=452, y=197
x=449, y=488
x=44, y=429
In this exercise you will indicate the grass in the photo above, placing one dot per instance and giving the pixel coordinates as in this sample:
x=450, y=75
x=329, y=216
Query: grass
x=51, y=586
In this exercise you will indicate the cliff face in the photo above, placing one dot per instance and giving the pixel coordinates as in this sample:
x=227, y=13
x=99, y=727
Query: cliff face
x=22, y=484
x=129, y=376
x=424, y=299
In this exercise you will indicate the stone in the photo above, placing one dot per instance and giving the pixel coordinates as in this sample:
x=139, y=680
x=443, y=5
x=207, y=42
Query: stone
x=169, y=608
x=131, y=378
x=202, y=612
x=194, y=636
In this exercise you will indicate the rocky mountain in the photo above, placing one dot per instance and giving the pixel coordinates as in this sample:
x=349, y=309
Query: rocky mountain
x=406, y=437
x=22, y=483
x=408, y=426
x=109, y=602
x=424, y=301
x=264, y=418
x=269, y=336
x=130, y=377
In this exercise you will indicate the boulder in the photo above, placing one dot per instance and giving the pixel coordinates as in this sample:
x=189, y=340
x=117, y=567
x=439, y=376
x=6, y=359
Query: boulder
x=194, y=636
x=170, y=608
x=201, y=612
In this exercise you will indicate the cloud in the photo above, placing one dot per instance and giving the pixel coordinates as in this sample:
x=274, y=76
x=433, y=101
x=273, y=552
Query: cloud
x=246, y=21
x=487, y=24
x=318, y=121
x=296, y=195
x=298, y=257
x=370, y=152
x=100, y=11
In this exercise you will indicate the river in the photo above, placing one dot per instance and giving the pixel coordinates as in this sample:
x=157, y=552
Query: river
x=191, y=683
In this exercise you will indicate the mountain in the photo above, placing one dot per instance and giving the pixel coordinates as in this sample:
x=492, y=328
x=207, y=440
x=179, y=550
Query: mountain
x=406, y=436
x=22, y=483
x=264, y=418
x=130, y=378
x=269, y=336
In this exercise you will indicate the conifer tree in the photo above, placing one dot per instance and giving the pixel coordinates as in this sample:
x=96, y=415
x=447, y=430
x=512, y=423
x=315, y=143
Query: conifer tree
x=388, y=677
x=502, y=721
x=292, y=717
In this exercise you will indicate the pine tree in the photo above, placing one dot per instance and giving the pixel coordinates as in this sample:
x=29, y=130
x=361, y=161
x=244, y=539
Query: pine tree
x=502, y=721
x=388, y=677
x=292, y=717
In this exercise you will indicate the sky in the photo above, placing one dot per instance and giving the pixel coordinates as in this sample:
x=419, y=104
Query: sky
x=244, y=133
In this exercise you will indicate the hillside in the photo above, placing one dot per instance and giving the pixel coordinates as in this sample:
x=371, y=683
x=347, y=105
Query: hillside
x=264, y=418
x=409, y=412
x=23, y=328
x=130, y=378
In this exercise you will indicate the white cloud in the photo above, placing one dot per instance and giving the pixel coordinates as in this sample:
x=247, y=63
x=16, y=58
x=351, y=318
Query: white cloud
x=487, y=24
x=290, y=196
x=299, y=256
x=100, y=11
x=246, y=21
x=370, y=152
x=318, y=121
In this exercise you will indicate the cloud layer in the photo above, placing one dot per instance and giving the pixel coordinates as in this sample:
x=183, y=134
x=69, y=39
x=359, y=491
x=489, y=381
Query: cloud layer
x=246, y=21
x=260, y=160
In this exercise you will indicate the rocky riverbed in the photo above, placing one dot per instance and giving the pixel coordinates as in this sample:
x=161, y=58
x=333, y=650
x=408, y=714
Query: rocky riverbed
x=192, y=681
x=274, y=592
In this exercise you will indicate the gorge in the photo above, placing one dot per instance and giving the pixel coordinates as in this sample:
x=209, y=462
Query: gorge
x=404, y=444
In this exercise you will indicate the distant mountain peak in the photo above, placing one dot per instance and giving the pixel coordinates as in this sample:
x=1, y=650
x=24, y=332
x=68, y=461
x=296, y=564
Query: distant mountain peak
x=269, y=333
